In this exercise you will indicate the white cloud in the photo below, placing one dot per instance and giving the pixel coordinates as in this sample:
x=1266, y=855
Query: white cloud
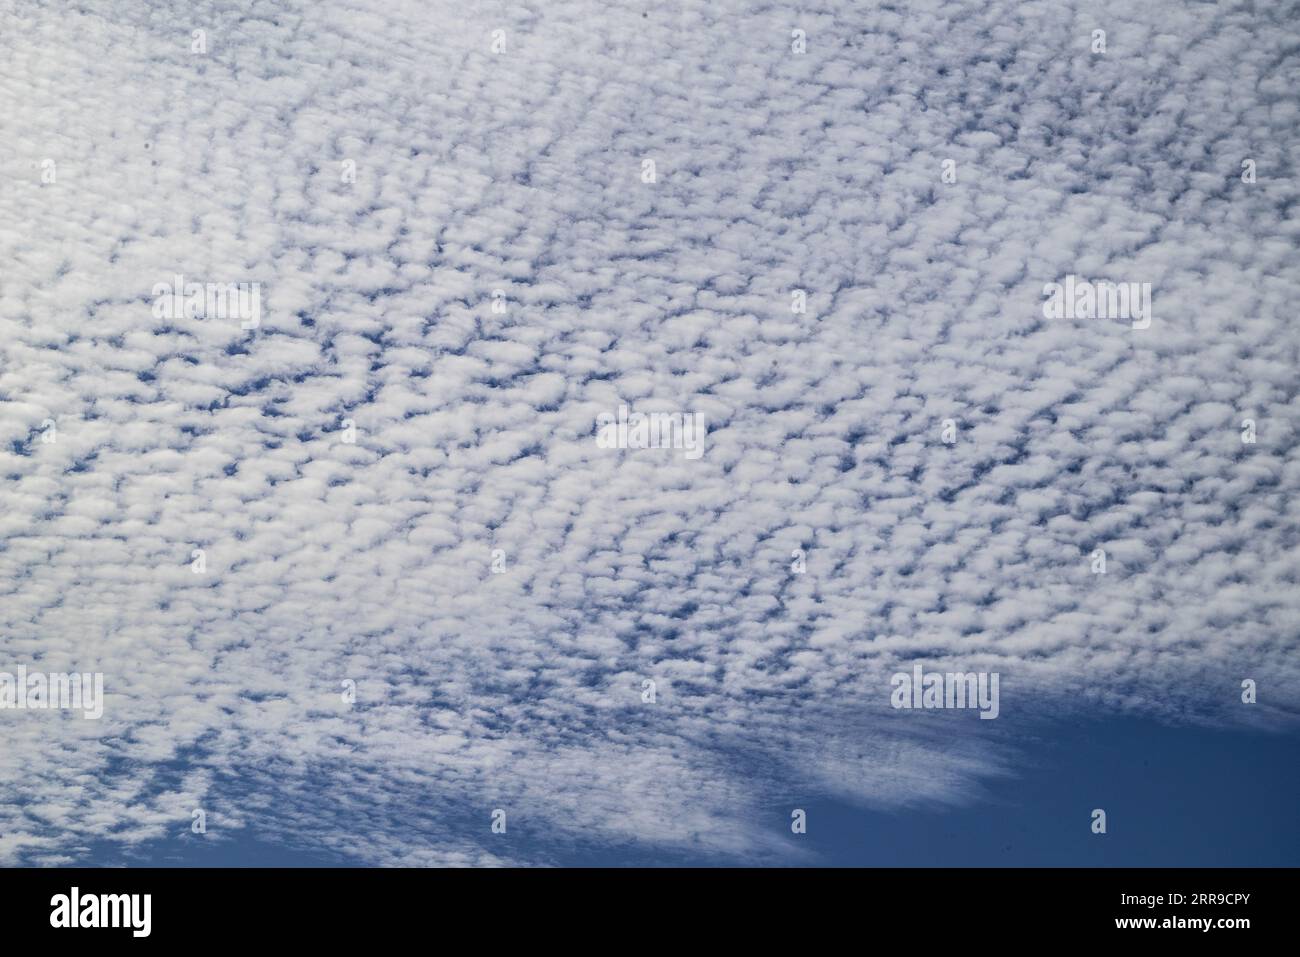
x=521, y=171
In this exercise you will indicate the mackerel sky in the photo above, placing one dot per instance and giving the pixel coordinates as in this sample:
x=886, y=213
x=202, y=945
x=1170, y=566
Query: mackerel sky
x=940, y=458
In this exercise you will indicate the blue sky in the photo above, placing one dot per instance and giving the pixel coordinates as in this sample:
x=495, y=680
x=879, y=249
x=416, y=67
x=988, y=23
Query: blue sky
x=1179, y=797
x=359, y=567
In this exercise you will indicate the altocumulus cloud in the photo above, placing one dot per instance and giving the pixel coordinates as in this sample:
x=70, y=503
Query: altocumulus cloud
x=348, y=468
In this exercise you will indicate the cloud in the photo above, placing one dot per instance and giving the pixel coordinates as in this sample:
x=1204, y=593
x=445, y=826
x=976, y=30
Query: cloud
x=327, y=560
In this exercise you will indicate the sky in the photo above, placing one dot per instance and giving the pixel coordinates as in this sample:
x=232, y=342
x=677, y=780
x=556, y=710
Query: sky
x=365, y=583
